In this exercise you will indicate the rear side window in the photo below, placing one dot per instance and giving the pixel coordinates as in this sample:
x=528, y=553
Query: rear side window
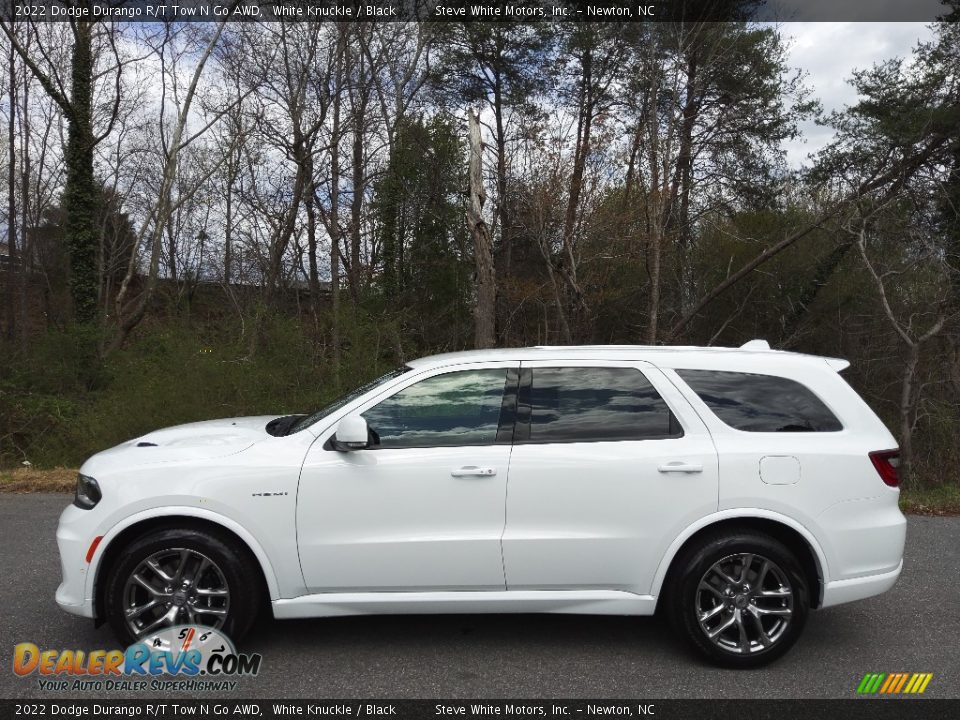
x=591, y=404
x=760, y=403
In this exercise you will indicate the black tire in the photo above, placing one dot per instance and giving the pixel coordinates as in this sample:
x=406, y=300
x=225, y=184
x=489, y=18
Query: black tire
x=768, y=635
x=233, y=565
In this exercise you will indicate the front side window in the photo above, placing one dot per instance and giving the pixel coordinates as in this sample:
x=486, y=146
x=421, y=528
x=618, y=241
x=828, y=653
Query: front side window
x=594, y=404
x=457, y=408
x=761, y=403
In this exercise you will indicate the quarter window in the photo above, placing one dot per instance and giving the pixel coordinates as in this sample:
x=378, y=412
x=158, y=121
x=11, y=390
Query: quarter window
x=457, y=408
x=593, y=404
x=761, y=403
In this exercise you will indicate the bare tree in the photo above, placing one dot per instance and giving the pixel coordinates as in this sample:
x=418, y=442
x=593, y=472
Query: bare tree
x=153, y=228
x=486, y=288
x=80, y=192
x=915, y=340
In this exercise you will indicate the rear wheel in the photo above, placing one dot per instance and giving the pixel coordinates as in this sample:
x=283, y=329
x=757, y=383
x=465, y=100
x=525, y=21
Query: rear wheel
x=739, y=598
x=184, y=576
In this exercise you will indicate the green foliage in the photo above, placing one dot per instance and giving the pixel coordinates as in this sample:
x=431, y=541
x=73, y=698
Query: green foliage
x=59, y=404
x=491, y=62
x=426, y=271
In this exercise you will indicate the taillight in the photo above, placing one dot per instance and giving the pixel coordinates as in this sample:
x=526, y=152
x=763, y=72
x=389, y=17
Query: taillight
x=886, y=463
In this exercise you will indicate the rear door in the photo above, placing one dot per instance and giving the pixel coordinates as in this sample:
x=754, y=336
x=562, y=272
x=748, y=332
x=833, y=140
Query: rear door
x=609, y=464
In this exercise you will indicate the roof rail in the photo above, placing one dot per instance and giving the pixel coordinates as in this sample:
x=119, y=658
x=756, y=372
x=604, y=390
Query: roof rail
x=755, y=345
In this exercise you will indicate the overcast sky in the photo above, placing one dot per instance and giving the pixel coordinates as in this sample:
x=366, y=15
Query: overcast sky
x=829, y=52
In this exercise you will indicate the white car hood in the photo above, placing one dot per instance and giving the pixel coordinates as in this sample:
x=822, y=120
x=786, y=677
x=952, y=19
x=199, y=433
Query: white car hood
x=212, y=434
x=193, y=441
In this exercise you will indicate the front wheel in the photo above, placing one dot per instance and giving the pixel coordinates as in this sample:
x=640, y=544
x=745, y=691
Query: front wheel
x=181, y=576
x=740, y=599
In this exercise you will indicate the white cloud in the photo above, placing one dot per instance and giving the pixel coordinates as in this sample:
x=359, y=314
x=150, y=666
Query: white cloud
x=829, y=53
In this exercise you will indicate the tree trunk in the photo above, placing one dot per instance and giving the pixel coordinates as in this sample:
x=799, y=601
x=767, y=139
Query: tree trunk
x=506, y=241
x=680, y=193
x=171, y=250
x=80, y=197
x=581, y=152
x=356, y=202
x=335, y=218
x=228, y=224
x=11, y=268
x=655, y=215
x=907, y=404
x=26, y=198
x=485, y=306
x=310, y=203
x=654, y=250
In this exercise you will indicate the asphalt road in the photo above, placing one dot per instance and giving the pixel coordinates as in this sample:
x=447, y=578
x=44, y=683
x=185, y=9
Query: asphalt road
x=913, y=628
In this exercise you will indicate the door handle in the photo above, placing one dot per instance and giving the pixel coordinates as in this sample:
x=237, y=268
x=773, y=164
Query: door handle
x=473, y=471
x=680, y=467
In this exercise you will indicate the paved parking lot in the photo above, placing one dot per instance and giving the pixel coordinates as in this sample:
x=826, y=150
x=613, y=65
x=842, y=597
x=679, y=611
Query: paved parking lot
x=913, y=628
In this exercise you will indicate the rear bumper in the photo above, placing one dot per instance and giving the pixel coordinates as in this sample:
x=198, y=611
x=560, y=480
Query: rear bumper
x=843, y=591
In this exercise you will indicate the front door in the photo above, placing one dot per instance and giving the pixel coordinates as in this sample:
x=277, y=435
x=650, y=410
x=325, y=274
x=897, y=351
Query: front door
x=423, y=509
x=610, y=464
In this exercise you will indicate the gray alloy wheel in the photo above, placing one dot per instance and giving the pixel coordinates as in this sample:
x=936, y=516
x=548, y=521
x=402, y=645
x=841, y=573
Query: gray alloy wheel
x=744, y=603
x=175, y=587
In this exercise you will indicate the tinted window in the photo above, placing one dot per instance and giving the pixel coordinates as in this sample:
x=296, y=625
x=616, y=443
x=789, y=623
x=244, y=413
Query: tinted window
x=761, y=403
x=459, y=408
x=590, y=404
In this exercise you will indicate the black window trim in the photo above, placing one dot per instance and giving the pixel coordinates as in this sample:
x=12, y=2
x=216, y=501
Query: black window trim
x=521, y=434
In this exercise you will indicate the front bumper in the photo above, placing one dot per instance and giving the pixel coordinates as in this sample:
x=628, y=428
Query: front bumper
x=74, y=536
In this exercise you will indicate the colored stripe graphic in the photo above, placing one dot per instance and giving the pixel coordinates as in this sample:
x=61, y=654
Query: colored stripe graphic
x=892, y=679
x=903, y=679
x=894, y=683
x=918, y=683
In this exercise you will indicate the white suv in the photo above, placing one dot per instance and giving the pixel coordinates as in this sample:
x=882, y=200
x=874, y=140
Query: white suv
x=732, y=489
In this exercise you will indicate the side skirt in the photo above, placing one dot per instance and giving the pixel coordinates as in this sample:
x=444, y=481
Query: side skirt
x=585, y=602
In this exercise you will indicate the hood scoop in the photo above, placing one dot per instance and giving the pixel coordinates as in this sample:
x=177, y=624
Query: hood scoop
x=146, y=444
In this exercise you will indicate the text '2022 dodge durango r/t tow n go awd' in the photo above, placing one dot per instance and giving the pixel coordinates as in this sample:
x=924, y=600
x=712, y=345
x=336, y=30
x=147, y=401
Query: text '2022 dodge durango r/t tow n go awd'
x=731, y=489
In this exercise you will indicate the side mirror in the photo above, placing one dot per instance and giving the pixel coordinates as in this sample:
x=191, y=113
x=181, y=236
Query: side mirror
x=352, y=434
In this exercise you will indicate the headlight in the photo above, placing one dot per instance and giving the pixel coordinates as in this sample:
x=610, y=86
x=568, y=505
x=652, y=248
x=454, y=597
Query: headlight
x=88, y=493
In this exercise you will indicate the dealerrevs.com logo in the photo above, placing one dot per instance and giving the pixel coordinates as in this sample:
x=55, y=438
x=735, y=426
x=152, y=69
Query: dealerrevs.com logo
x=200, y=658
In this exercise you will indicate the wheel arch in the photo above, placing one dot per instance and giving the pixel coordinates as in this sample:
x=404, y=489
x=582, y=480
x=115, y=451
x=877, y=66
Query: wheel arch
x=111, y=547
x=784, y=529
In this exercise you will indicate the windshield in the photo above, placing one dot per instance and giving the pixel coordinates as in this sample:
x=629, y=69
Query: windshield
x=309, y=420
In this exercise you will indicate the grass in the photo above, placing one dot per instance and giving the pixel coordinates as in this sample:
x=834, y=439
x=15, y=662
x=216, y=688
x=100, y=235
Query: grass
x=59, y=405
x=936, y=501
x=29, y=480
